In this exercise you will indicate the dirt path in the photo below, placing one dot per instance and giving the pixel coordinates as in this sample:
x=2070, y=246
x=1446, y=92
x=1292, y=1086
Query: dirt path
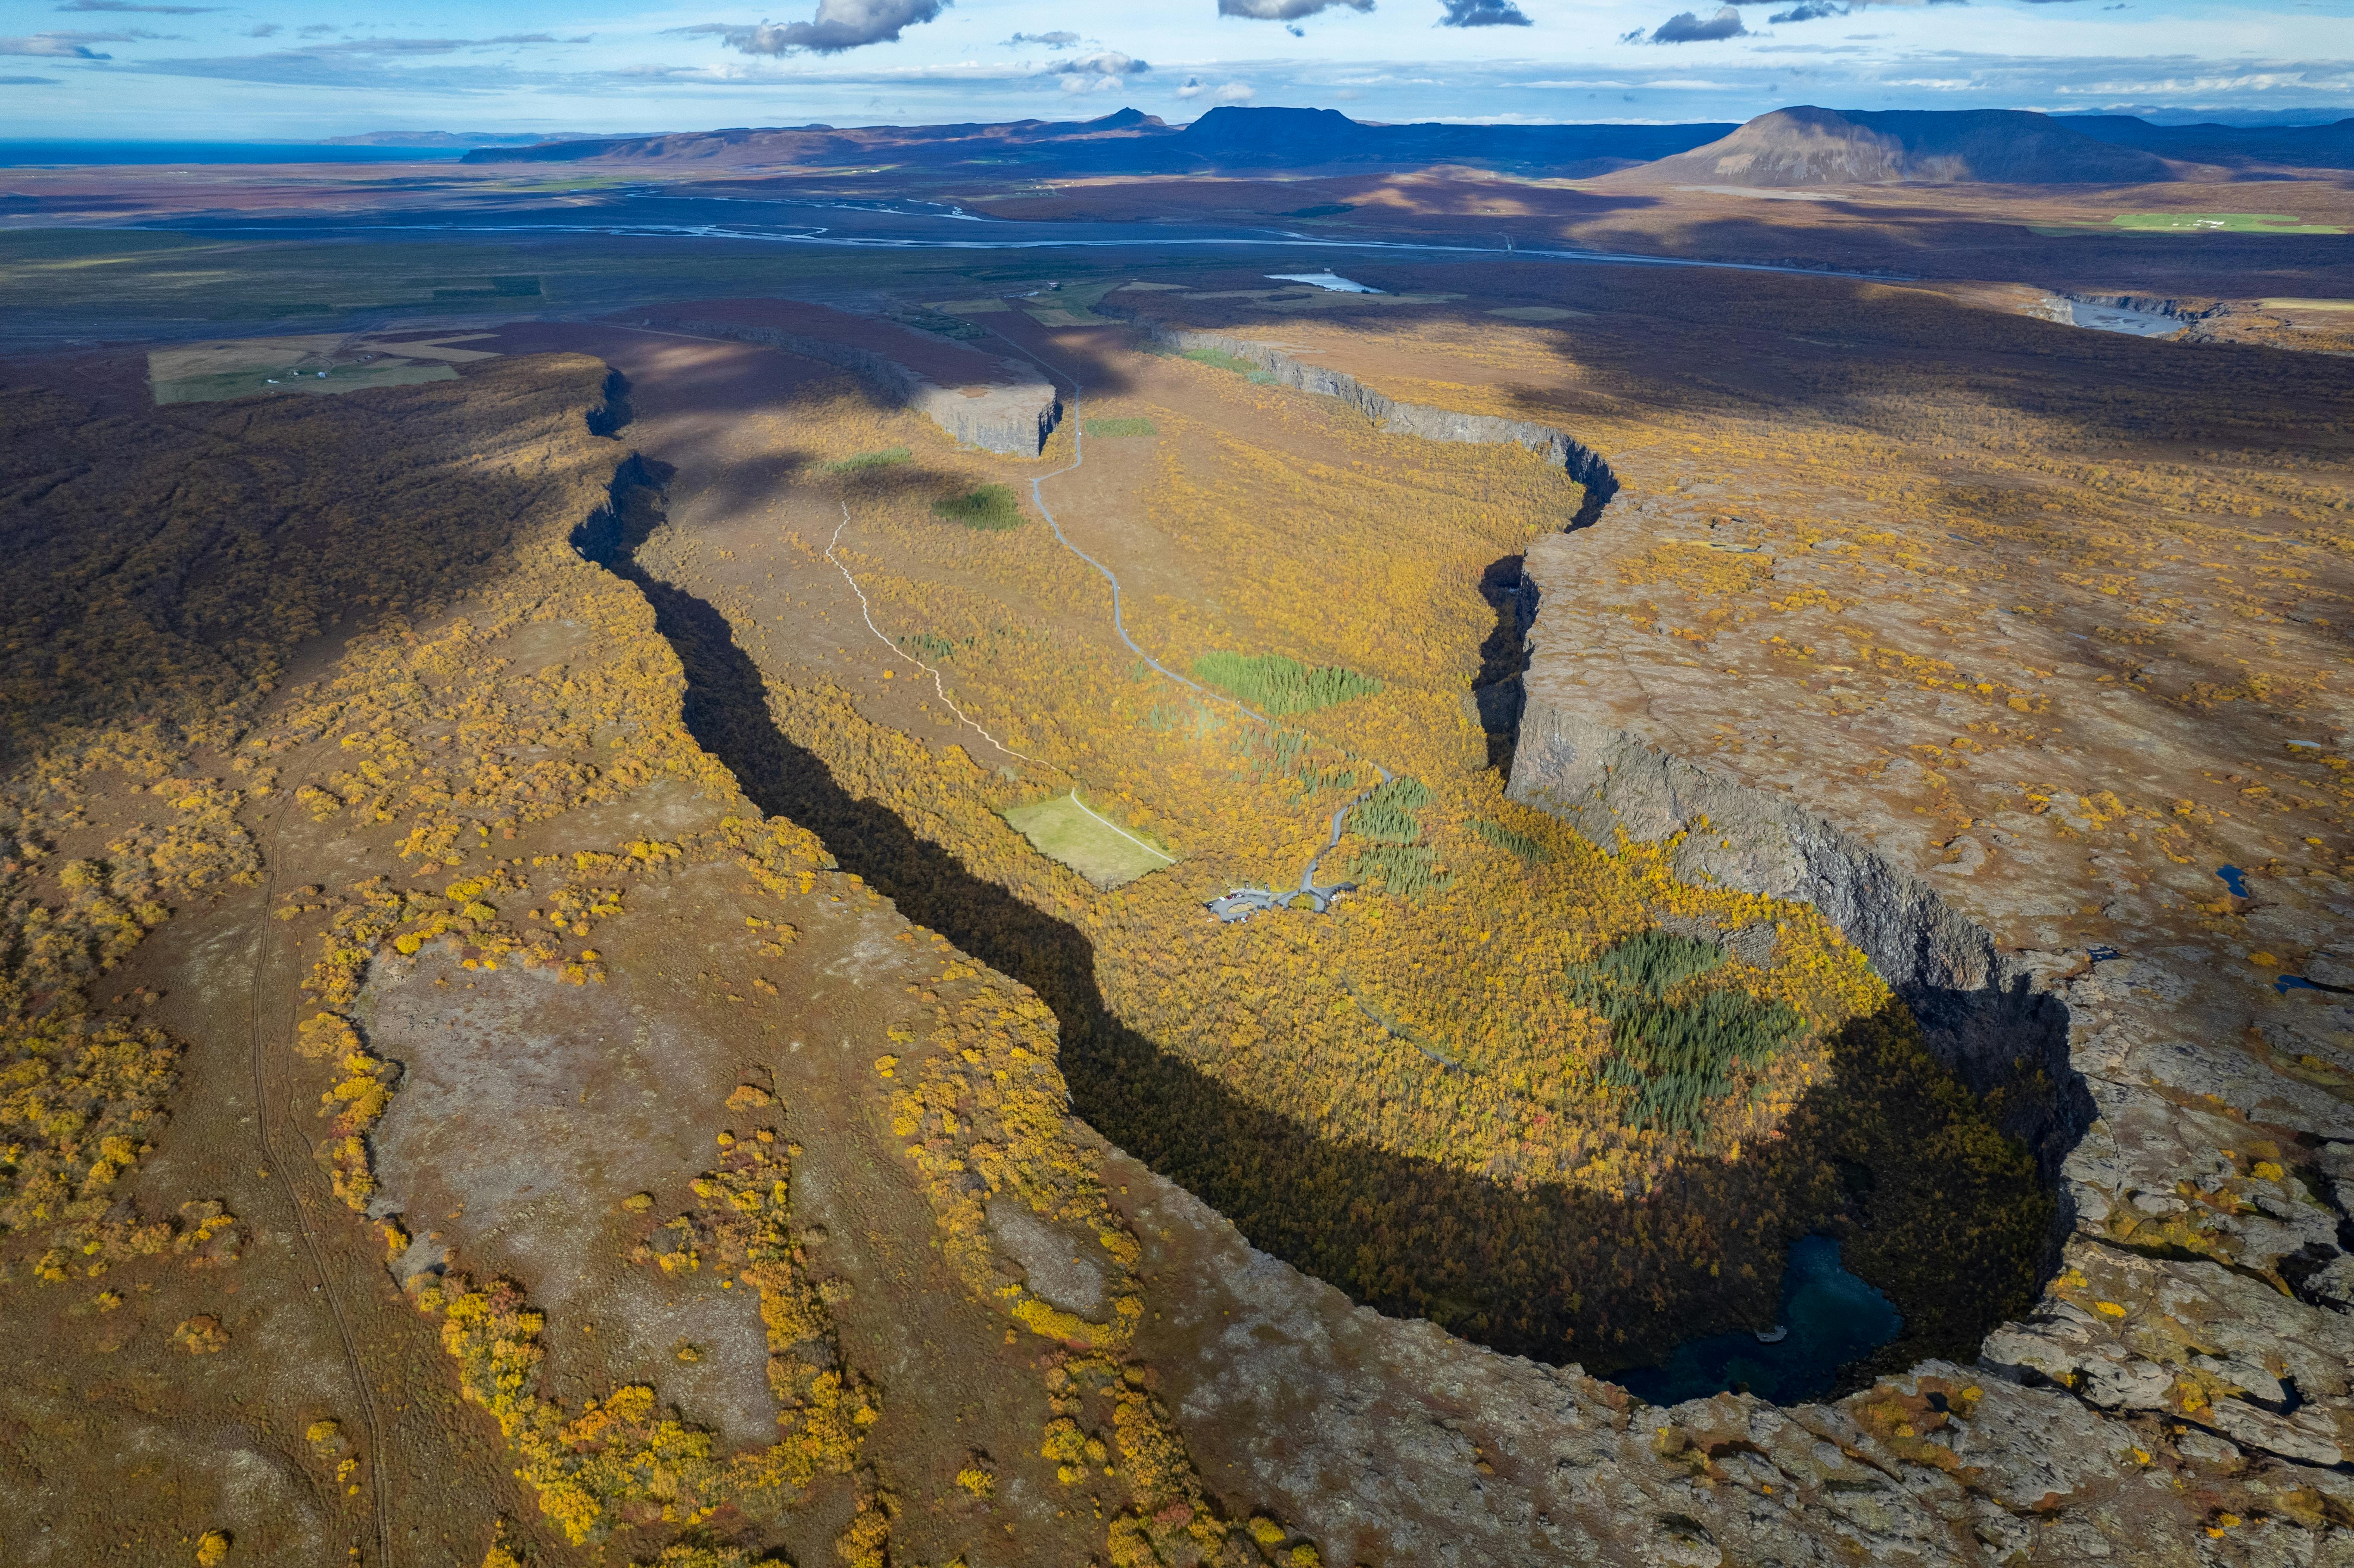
x=1239, y=903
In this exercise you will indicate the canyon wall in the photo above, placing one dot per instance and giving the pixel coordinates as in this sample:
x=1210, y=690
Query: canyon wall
x=1583, y=753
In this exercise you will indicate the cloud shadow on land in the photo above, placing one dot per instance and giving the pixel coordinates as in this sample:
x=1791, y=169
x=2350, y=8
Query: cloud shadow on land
x=1550, y=1272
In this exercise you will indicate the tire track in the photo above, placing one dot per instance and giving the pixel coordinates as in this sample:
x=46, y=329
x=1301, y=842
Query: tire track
x=379, y=1453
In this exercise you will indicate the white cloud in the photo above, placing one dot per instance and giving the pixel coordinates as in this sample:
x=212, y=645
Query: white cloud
x=839, y=25
x=1285, y=10
x=1103, y=62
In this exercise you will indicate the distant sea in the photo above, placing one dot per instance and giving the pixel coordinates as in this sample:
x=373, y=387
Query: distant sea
x=28, y=154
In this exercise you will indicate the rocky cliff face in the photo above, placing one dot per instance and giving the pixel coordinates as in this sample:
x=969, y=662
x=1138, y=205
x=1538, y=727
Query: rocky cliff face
x=1583, y=465
x=2180, y=1393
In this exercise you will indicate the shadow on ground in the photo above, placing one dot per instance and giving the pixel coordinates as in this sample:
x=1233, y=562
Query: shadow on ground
x=1555, y=1272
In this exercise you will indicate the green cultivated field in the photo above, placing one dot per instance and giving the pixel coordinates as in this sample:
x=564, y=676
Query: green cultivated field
x=1060, y=831
x=2193, y=223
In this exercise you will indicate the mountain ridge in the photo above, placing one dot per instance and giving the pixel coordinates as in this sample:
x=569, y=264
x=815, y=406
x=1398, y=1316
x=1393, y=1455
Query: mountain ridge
x=1131, y=142
x=1802, y=144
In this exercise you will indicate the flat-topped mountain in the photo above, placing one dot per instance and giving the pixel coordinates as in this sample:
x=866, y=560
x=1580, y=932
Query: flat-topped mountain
x=1810, y=146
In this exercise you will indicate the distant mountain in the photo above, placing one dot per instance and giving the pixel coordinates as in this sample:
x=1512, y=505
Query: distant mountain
x=1259, y=138
x=1021, y=141
x=2232, y=146
x=1133, y=142
x=439, y=139
x=1812, y=146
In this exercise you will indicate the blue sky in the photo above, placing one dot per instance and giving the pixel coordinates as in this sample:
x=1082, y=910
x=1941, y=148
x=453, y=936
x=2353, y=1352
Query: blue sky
x=295, y=71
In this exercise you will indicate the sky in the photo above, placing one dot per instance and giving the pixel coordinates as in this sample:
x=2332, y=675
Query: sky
x=290, y=70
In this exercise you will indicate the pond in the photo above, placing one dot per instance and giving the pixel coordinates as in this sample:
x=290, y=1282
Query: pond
x=1325, y=280
x=1830, y=1319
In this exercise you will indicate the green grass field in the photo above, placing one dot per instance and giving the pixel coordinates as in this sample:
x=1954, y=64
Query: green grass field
x=1219, y=359
x=888, y=457
x=1119, y=426
x=2193, y=223
x=2218, y=222
x=1059, y=830
x=992, y=509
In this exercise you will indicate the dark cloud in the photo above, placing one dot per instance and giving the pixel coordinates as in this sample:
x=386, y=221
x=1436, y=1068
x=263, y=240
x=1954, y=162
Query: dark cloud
x=30, y=81
x=839, y=25
x=317, y=30
x=1057, y=39
x=122, y=5
x=1103, y=62
x=1285, y=10
x=263, y=30
x=1809, y=11
x=1482, y=13
x=1686, y=28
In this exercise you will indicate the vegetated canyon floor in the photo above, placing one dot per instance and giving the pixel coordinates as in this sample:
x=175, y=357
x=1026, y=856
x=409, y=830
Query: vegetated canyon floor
x=2048, y=618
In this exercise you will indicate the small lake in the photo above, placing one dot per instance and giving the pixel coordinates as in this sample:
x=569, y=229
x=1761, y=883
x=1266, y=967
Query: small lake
x=1830, y=1318
x=1327, y=279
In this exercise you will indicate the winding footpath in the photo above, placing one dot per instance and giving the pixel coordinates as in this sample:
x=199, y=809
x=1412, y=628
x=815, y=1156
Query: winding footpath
x=866, y=613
